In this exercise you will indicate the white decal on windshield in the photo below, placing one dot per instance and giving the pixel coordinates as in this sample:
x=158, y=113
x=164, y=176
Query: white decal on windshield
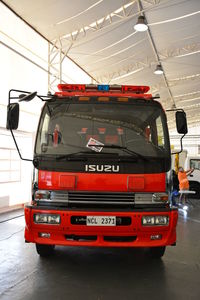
x=92, y=143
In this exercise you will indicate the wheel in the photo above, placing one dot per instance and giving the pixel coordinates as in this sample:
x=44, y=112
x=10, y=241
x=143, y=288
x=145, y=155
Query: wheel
x=157, y=252
x=45, y=250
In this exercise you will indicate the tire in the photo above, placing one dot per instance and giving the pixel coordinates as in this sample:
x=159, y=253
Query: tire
x=157, y=252
x=45, y=250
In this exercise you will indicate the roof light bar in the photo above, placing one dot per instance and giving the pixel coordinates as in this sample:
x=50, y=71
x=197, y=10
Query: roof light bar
x=104, y=88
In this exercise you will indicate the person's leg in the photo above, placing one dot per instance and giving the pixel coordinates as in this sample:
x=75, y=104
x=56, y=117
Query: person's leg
x=174, y=198
x=184, y=199
x=180, y=198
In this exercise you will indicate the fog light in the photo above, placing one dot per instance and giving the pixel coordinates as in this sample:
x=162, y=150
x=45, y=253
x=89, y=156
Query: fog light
x=156, y=237
x=44, y=235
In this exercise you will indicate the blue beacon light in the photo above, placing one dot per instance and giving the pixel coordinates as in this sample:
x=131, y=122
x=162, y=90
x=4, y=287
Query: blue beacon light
x=103, y=87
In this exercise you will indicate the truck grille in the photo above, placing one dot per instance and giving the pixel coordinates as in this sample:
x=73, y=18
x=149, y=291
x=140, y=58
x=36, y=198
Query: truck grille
x=91, y=199
x=102, y=199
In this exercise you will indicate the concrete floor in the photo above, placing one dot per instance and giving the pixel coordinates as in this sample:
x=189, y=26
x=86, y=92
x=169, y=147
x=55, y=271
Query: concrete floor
x=100, y=274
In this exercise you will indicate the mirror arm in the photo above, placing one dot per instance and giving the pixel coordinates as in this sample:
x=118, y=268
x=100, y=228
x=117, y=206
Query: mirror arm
x=174, y=109
x=42, y=98
x=18, y=147
x=181, y=145
x=13, y=90
x=9, y=97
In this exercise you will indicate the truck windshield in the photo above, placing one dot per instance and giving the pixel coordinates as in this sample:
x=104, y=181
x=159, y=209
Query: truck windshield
x=96, y=127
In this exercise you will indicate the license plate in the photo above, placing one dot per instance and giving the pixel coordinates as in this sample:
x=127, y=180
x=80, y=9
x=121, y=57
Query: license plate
x=101, y=221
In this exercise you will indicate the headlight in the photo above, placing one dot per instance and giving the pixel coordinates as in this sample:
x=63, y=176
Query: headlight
x=41, y=218
x=41, y=195
x=46, y=219
x=148, y=220
x=161, y=220
x=54, y=219
x=155, y=220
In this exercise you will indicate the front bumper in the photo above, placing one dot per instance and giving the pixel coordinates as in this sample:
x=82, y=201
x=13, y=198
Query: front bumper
x=131, y=235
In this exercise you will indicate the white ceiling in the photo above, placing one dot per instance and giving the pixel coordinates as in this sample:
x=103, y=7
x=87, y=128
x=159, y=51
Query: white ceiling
x=99, y=36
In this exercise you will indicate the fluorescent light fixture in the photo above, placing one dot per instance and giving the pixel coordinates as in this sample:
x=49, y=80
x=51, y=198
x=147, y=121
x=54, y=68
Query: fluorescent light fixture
x=158, y=70
x=141, y=24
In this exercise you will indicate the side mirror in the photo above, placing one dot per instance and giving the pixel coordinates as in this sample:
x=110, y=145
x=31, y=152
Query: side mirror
x=181, y=122
x=12, y=116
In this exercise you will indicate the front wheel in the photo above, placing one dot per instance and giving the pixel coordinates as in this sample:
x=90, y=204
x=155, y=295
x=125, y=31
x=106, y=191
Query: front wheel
x=157, y=252
x=45, y=250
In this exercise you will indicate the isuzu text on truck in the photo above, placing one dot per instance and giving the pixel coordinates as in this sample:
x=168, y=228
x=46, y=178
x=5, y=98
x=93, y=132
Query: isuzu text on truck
x=101, y=158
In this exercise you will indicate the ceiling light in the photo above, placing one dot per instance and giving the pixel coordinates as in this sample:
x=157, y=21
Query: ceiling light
x=158, y=70
x=141, y=24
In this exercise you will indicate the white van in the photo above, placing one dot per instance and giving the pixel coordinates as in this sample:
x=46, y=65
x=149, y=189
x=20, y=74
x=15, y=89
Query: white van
x=193, y=161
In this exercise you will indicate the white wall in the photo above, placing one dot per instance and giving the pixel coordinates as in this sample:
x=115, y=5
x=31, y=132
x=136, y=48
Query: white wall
x=191, y=141
x=27, y=73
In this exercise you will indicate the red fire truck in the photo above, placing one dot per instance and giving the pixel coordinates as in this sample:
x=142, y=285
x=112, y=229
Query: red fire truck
x=101, y=169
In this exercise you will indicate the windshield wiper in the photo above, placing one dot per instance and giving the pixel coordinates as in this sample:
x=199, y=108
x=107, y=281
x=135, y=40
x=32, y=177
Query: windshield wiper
x=84, y=155
x=125, y=149
x=73, y=156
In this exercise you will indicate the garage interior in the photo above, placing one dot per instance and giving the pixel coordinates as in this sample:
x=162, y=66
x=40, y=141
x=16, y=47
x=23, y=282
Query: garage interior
x=44, y=43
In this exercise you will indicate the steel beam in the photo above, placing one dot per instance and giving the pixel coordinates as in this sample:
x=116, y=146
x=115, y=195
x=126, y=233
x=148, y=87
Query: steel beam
x=124, y=13
x=55, y=60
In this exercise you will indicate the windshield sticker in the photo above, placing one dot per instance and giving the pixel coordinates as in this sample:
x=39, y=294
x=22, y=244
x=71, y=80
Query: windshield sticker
x=92, y=143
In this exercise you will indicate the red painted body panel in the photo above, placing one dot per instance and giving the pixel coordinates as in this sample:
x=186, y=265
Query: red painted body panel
x=103, y=182
x=141, y=233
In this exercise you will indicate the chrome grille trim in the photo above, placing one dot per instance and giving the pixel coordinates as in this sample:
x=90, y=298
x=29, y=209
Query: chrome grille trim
x=59, y=195
x=92, y=199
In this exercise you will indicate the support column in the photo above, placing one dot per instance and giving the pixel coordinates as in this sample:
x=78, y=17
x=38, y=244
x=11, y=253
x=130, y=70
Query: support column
x=55, y=60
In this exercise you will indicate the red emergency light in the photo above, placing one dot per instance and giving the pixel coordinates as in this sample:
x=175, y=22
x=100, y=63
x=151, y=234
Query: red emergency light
x=71, y=87
x=138, y=89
